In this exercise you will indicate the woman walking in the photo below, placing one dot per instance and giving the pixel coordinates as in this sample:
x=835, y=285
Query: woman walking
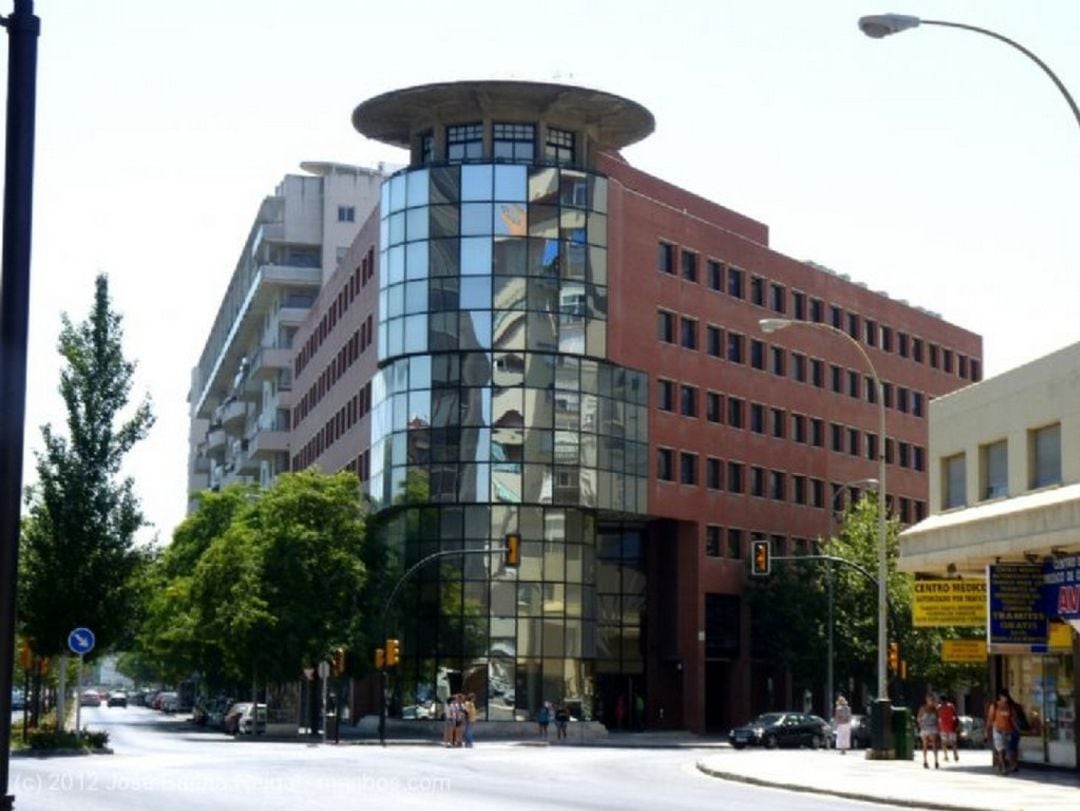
x=842, y=722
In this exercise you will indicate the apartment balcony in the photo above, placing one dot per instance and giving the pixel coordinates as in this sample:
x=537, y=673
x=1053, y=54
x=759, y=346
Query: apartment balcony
x=232, y=414
x=266, y=444
x=215, y=442
x=268, y=361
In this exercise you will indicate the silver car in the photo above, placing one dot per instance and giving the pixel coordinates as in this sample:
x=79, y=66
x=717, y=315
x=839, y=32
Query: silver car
x=970, y=732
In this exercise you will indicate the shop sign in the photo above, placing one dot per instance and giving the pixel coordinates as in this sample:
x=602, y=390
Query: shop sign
x=949, y=604
x=963, y=651
x=1015, y=608
x=1060, y=638
x=1061, y=587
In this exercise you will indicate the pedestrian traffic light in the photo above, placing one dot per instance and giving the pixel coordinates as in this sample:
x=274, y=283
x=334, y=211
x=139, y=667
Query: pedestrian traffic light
x=337, y=662
x=760, y=562
x=393, y=652
x=894, y=656
x=380, y=658
x=513, y=549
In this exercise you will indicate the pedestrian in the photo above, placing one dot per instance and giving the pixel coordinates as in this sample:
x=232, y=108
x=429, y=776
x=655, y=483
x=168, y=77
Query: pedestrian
x=1020, y=724
x=562, y=718
x=928, y=728
x=469, y=712
x=1001, y=723
x=543, y=718
x=448, y=722
x=842, y=723
x=947, y=724
x=458, y=708
x=639, y=712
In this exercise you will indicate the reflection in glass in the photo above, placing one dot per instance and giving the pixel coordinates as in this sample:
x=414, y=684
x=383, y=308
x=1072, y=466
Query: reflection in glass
x=417, y=188
x=511, y=255
x=475, y=255
x=510, y=183
x=416, y=224
x=476, y=182
x=509, y=329
x=509, y=220
x=416, y=260
x=543, y=185
x=475, y=219
x=543, y=222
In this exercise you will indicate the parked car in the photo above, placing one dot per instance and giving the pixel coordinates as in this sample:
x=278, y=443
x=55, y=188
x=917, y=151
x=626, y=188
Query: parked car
x=216, y=712
x=167, y=702
x=774, y=729
x=239, y=720
x=970, y=732
x=90, y=698
x=118, y=698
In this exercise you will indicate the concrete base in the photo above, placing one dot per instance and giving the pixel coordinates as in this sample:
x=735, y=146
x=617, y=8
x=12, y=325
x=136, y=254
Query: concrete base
x=880, y=754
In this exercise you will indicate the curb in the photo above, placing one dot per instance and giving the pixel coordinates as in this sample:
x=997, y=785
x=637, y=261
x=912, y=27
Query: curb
x=47, y=753
x=847, y=795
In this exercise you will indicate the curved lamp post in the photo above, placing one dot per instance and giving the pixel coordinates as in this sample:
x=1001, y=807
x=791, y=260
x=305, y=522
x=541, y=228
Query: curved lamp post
x=772, y=325
x=877, y=26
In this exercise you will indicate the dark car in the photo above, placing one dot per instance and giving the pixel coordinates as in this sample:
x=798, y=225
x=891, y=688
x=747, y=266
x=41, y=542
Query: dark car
x=118, y=698
x=774, y=729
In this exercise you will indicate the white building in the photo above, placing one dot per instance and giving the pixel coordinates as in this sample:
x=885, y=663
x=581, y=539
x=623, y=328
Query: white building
x=1005, y=488
x=241, y=387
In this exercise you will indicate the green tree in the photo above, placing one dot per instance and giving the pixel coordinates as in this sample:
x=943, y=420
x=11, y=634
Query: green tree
x=79, y=565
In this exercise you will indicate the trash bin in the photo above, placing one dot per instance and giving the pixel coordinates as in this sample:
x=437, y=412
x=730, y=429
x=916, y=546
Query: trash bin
x=903, y=733
x=331, y=726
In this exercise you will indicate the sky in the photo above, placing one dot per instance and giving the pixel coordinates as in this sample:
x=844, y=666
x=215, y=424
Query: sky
x=937, y=165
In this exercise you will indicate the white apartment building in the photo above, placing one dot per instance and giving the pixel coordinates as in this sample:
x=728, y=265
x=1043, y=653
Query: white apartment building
x=241, y=387
x=1005, y=489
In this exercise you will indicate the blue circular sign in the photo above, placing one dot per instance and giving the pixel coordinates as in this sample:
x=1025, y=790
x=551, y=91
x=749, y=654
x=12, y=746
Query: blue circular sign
x=81, y=641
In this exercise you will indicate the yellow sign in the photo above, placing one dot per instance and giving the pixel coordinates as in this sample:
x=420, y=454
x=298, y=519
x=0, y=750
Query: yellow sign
x=1059, y=636
x=963, y=651
x=949, y=604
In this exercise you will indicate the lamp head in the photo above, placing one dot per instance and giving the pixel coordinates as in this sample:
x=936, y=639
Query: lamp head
x=877, y=26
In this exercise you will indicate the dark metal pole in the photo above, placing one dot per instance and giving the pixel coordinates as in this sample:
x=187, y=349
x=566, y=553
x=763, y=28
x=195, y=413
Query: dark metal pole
x=23, y=29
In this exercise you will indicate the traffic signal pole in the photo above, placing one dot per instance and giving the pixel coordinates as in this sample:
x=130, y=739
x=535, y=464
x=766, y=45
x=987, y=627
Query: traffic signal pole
x=511, y=551
x=23, y=29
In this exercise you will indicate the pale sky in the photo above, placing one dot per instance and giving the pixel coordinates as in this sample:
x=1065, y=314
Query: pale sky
x=939, y=166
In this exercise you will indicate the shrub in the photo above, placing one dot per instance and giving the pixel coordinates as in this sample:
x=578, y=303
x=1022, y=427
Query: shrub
x=49, y=739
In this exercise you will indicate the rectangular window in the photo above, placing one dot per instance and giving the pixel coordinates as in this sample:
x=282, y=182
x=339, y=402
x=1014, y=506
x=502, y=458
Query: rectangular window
x=817, y=493
x=688, y=468
x=778, y=298
x=778, y=420
x=714, y=406
x=798, y=489
x=734, y=347
x=798, y=428
x=734, y=412
x=887, y=394
x=713, y=472
x=665, y=464
x=734, y=544
x=757, y=418
x=902, y=399
x=871, y=389
x=946, y=360
x=836, y=316
x=757, y=481
x=689, y=265
x=777, y=485
x=954, y=481
x=817, y=432
x=798, y=363
x=427, y=147
x=689, y=333
x=853, y=441
x=798, y=301
x=853, y=325
x=903, y=454
x=513, y=142
x=975, y=376
x=716, y=275
x=665, y=326
x=464, y=142
x=735, y=283
x=934, y=356
x=917, y=460
x=871, y=446
x=346, y=213
x=854, y=379
x=688, y=401
x=712, y=541
x=735, y=477
x=902, y=344
x=1045, y=456
x=886, y=339
x=665, y=395
x=777, y=360
x=836, y=375
x=757, y=354
x=757, y=291
x=817, y=310
x=559, y=146
x=817, y=373
x=871, y=331
x=962, y=366
x=917, y=350
x=836, y=437
x=714, y=341
x=665, y=258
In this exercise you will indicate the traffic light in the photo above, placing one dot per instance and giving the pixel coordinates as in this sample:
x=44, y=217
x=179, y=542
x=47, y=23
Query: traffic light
x=337, y=662
x=894, y=656
x=759, y=557
x=393, y=652
x=380, y=658
x=513, y=549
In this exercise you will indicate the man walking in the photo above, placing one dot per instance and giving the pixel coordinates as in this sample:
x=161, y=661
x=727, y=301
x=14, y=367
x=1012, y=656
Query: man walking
x=947, y=724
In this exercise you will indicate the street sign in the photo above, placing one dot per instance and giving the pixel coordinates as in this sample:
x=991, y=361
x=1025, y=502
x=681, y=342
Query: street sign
x=324, y=669
x=81, y=641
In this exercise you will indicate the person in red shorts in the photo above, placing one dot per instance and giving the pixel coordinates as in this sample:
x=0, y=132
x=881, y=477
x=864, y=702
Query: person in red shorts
x=947, y=724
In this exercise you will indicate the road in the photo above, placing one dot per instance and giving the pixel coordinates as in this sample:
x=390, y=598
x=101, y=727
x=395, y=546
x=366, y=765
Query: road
x=164, y=764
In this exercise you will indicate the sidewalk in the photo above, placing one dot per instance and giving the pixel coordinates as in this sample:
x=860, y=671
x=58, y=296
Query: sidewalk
x=968, y=784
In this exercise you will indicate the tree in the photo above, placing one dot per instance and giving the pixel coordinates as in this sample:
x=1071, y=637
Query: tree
x=78, y=560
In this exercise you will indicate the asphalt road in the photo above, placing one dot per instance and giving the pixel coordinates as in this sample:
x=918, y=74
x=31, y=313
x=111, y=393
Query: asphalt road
x=164, y=764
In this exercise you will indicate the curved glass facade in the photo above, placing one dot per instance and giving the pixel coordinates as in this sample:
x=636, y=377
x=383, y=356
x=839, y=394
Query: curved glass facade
x=495, y=411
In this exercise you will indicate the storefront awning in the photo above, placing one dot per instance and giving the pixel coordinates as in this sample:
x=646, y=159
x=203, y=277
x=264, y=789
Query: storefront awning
x=965, y=540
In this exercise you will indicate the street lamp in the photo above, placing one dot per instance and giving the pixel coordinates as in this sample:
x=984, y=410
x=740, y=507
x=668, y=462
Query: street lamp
x=878, y=26
x=769, y=325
